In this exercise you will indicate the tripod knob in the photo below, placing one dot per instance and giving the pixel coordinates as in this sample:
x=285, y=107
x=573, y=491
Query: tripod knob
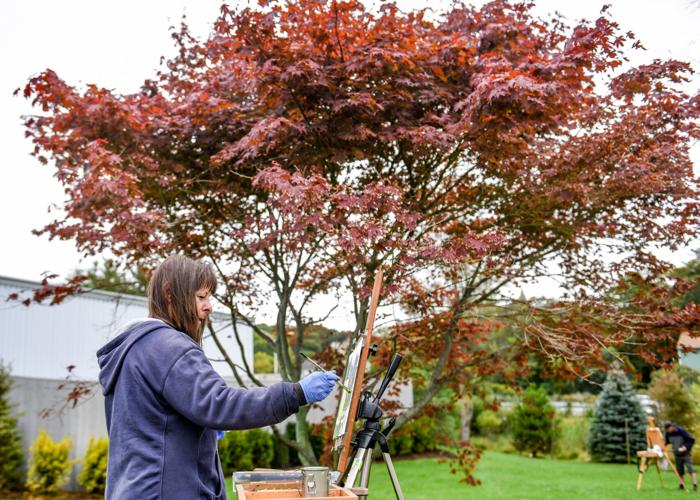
x=387, y=429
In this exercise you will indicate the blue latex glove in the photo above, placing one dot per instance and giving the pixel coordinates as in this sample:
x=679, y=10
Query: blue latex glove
x=318, y=385
x=219, y=435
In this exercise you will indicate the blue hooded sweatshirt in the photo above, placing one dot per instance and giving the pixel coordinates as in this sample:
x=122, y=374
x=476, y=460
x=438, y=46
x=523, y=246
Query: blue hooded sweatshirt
x=163, y=403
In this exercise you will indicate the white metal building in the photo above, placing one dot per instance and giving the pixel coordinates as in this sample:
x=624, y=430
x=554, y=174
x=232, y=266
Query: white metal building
x=39, y=342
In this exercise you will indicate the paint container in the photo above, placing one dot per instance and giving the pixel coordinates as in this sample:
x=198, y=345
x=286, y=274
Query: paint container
x=315, y=482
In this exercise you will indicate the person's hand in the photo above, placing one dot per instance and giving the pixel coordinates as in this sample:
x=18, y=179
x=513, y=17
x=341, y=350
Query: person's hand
x=318, y=385
x=682, y=449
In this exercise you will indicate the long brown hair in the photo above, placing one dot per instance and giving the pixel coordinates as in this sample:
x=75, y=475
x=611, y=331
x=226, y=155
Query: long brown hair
x=172, y=290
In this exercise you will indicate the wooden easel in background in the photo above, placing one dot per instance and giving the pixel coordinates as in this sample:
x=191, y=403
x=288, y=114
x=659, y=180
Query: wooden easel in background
x=654, y=438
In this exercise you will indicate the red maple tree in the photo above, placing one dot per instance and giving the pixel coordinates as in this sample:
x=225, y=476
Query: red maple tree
x=305, y=143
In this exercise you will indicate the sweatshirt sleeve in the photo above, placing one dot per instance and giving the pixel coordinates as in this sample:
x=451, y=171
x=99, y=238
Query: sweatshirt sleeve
x=688, y=439
x=194, y=389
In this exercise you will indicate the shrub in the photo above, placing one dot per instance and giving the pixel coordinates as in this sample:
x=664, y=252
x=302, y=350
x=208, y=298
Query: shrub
x=261, y=447
x=677, y=401
x=617, y=421
x=489, y=422
x=93, y=477
x=11, y=458
x=532, y=422
x=263, y=363
x=447, y=425
x=695, y=452
x=499, y=443
x=571, y=440
x=245, y=450
x=424, y=435
x=50, y=464
x=478, y=407
x=401, y=441
x=234, y=452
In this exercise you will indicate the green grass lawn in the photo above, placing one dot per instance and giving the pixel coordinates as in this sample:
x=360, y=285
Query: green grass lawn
x=511, y=477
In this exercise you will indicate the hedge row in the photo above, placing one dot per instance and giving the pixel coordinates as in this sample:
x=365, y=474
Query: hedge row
x=50, y=466
x=246, y=450
x=422, y=435
x=50, y=463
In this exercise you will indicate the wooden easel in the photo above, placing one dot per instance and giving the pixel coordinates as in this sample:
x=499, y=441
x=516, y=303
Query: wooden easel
x=357, y=389
x=269, y=490
x=654, y=438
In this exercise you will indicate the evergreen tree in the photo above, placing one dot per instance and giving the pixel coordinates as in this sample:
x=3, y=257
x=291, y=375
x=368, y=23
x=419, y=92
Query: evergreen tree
x=533, y=422
x=11, y=459
x=617, y=404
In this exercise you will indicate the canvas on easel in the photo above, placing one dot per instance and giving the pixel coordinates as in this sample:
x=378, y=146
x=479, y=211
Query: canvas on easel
x=343, y=414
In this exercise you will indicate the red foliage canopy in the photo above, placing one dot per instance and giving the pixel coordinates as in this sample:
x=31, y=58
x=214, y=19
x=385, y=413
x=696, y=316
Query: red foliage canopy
x=306, y=142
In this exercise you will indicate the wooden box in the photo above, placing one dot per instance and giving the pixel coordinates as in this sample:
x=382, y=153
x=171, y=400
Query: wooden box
x=285, y=491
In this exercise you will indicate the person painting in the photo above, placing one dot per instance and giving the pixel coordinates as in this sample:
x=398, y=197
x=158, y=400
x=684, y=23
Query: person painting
x=164, y=403
x=682, y=443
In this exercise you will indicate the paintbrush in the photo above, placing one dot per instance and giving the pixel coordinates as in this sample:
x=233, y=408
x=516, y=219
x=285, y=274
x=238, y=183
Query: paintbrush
x=323, y=369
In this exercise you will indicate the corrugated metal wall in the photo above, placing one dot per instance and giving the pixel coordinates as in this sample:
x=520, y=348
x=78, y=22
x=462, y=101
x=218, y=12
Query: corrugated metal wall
x=40, y=342
x=30, y=396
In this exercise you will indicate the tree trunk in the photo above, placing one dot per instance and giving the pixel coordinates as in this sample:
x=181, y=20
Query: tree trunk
x=466, y=413
x=306, y=452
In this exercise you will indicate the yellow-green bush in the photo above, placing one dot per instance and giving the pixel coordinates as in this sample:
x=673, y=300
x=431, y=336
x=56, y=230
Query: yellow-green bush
x=94, y=474
x=50, y=464
x=502, y=443
x=489, y=422
x=263, y=363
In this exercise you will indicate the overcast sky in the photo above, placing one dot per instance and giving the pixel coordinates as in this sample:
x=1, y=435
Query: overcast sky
x=118, y=44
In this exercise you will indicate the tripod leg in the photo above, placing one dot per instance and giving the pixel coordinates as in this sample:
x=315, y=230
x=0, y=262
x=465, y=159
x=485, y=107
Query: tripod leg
x=356, y=465
x=393, y=476
x=366, y=468
x=344, y=476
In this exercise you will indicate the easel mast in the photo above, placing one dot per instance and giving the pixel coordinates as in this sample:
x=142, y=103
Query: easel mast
x=367, y=339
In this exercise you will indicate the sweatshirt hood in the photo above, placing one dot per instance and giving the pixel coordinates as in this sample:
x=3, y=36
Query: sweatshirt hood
x=111, y=356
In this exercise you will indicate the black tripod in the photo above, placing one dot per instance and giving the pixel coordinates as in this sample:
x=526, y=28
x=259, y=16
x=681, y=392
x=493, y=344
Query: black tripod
x=370, y=435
